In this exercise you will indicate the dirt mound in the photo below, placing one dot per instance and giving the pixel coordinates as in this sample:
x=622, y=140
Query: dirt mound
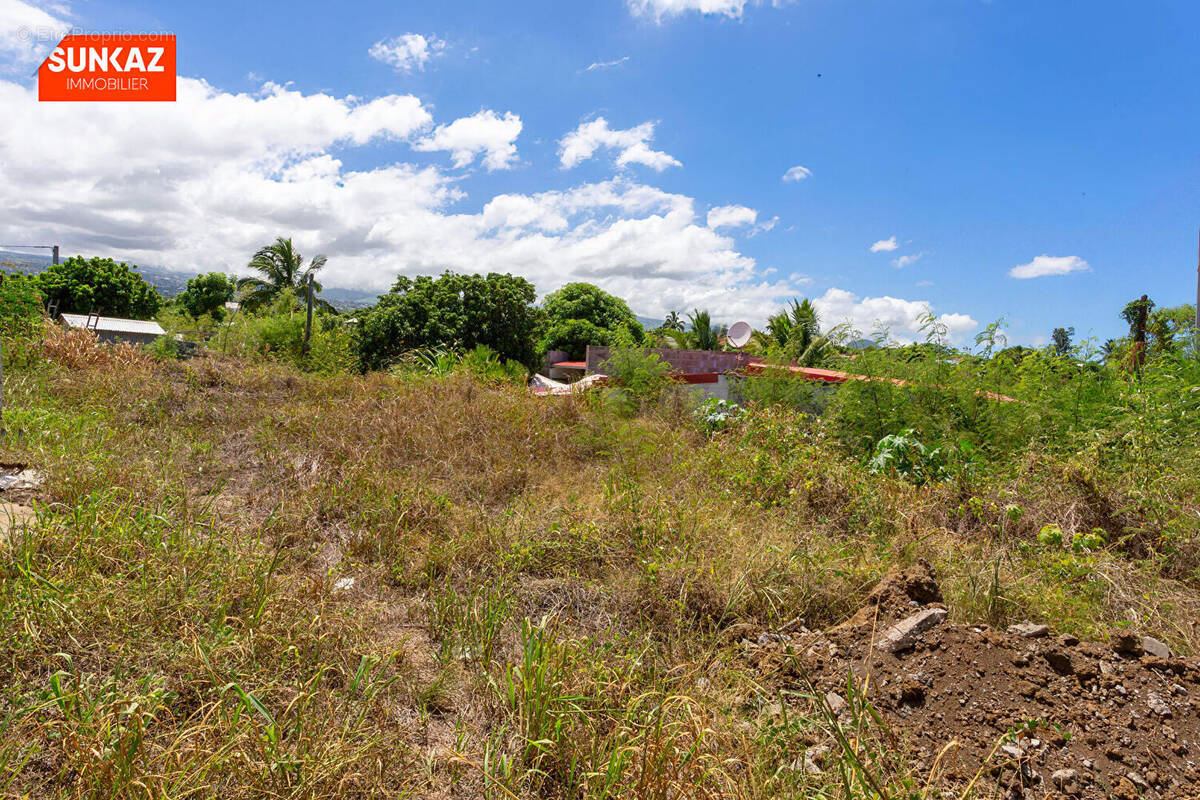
x=1032, y=714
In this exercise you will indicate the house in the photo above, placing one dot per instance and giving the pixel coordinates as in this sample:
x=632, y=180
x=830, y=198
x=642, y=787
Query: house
x=115, y=329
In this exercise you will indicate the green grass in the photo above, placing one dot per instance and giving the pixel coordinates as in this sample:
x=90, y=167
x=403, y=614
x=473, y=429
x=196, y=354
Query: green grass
x=544, y=590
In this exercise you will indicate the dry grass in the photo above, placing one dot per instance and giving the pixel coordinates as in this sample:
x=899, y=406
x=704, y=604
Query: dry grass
x=244, y=582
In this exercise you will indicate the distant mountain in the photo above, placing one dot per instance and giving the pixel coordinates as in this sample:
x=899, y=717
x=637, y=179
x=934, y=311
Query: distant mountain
x=349, y=299
x=649, y=323
x=171, y=282
x=168, y=282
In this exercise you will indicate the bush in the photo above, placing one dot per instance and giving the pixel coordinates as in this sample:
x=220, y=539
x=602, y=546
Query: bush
x=715, y=414
x=277, y=334
x=641, y=377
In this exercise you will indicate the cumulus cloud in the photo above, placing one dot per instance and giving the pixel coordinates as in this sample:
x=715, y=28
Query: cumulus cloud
x=731, y=216
x=485, y=133
x=406, y=53
x=797, y=173
x=1049, y=265
x=900, y=317
x=144, y=182
x=885, y=245
x=27, y=33
x=607, y=64
x=906, y=260
x=633, y=145
x=661, y=9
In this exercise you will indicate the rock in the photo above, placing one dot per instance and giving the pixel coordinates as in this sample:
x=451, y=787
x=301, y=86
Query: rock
x=1065, y=780
x=343, y=584
x=1125, y=790
x=1158, y=705
x=1126, y=642
x=1155, y=648
x=903, y=635
x=1028, y=630
x=1068, y=640
x=24, y=479
x=835, y=702
x=814, y=760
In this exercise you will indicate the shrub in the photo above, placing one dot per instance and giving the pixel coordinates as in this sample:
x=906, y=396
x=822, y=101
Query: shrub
x=641, y=377
x=715, y=414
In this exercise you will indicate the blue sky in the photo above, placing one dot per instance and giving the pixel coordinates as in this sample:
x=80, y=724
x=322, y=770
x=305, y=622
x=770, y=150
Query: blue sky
x=967, y=138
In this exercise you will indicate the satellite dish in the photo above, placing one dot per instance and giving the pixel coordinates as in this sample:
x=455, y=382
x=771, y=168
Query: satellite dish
x=739, y=334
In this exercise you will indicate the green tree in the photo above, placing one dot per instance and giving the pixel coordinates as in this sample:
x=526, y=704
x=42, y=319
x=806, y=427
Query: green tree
x=1166, y=325
x=207, y=294
x=703, y=334
x=673, y=322
x=454, y=311
x=793, y=329
x=280, y=266
x=580, y=314
x=99, y=285
x=1062, y=340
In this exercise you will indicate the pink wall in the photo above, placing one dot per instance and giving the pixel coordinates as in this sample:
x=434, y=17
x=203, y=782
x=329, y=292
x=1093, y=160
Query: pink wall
x=686, y=361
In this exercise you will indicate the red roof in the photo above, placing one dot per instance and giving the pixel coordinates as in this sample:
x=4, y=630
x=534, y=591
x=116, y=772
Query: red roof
x=570, y=364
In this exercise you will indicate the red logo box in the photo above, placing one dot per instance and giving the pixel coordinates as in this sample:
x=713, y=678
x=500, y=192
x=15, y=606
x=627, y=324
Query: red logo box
x=92, y=67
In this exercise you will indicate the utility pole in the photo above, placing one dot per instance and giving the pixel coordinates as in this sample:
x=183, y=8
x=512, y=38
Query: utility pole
x=308, y=318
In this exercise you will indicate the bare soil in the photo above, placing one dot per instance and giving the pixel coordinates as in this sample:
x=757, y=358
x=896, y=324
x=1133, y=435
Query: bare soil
x=1034, y=717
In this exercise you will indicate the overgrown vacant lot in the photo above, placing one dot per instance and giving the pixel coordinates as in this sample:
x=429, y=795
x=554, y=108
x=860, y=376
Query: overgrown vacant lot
x=243, y=581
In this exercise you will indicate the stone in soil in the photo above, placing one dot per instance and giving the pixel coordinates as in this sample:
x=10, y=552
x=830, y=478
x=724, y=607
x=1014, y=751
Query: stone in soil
x=1028, y=630
x=904, y=634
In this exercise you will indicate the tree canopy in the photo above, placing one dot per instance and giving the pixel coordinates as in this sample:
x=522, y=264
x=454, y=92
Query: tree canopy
x=580, y=314
x=101, y=286
x=207, y=294
x=455, y=311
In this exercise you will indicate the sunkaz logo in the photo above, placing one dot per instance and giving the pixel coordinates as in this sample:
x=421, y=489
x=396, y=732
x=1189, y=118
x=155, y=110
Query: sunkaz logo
x=93, y=67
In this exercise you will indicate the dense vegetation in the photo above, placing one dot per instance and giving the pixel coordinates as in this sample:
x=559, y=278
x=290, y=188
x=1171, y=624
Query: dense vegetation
x=263, y=573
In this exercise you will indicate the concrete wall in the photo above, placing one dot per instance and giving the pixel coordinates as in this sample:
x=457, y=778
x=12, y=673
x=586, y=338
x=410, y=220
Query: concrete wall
x=686, y=361
x=111, y=337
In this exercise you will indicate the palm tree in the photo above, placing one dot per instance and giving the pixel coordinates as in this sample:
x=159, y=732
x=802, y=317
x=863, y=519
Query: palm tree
x=673, y=322
x=797, y=326
x=703, y=334
x=281, y=267
x=796, y=331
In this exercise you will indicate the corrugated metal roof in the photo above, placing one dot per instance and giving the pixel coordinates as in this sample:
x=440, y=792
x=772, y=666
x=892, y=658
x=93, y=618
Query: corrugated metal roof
x=146, y=327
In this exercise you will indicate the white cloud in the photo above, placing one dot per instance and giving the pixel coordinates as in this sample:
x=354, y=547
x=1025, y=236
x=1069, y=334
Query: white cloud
x=582, y=143
x=660, y=9
x=1049, y=265
x=408, y=52
x=731, y=216
x=606, y=64
x=903, y=261
x=797, y=173
x=900, y=317
x=143, y=182
x=28, y=33
x=885, y=245
x=485, y=132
